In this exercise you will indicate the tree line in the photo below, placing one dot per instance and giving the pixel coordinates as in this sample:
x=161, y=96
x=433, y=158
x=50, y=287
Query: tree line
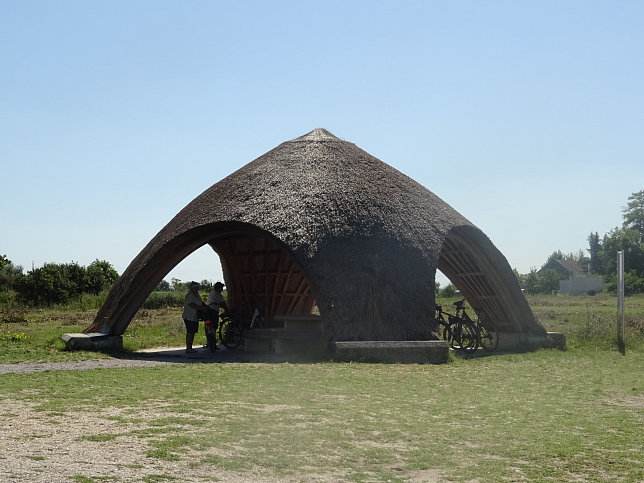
x=55, y=283
x=601, y=259
x=61, y=283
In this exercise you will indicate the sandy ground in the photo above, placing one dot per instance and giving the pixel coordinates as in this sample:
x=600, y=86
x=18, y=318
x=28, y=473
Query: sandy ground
x=38, y=446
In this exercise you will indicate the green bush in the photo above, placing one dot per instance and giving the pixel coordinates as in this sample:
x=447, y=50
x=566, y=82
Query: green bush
x=8, y=299
x=160, y=300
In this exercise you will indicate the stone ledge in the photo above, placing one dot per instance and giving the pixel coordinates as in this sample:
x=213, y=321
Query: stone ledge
x=279, y=333
x=555, y=340
x=521, y=341
x=94, y=341
x=412, y=351
x=301, y=322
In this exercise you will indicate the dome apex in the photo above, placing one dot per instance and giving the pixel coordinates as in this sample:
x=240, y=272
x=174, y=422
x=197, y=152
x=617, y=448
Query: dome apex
x=318, y=134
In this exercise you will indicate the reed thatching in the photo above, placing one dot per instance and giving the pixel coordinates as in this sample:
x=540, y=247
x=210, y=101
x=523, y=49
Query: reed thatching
x=317, y=220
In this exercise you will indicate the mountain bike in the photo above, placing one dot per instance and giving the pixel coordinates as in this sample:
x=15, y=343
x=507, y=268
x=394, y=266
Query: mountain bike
x=487, y=336
x=462, y=329
x=477, y=334
x=444, y=331
x=230, y=330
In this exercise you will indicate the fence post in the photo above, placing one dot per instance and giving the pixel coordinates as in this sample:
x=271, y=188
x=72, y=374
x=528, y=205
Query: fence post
x=621, y=343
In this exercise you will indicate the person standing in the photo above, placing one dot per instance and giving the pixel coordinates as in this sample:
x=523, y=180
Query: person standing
x=215, y=301
x=192, y=304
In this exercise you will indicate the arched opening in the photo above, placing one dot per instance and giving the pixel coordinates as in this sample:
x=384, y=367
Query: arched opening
x=261, y=273
x=481, y=273
x=258, y=270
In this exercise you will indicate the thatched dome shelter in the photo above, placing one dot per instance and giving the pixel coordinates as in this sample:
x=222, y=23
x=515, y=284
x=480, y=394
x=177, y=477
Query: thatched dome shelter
x=317, y=221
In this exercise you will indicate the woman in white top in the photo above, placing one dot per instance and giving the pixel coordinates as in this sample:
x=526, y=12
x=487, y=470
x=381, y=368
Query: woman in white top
x=192, y=304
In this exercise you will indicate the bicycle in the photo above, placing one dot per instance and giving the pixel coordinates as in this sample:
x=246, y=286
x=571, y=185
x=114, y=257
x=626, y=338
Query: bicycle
x=479, y=334
x=444, y=331
x=257, y=321
x=211, y=320
x=487, y=335
x=463, y=331
x=230, y=331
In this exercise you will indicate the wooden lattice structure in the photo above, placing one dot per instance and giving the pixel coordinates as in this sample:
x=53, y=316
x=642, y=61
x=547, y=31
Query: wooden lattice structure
x=262, y=275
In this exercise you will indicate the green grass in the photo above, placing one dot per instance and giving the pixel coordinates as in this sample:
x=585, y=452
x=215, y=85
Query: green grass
x=547, y=415
x=34, y=335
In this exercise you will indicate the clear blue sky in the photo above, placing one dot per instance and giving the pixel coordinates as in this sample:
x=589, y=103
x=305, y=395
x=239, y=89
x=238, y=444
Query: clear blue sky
x=526, y=117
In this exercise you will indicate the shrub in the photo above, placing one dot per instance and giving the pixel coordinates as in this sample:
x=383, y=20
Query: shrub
x=160, y=300
x=13, y=336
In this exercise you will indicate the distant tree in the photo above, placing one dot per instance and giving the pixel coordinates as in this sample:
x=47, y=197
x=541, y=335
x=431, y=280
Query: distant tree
x=626, y=240
x=579, y=258
x=448, y=291
x=549, y=281
x=8, y=273
x=206, y=285
x=594, y=247
x=178, y=285
x=532, y=282
x=556, y=255
x=75, y=279
x=633, y=212
x=46, y=284
x=58, y=283
x=163, y=286
x=100, y=276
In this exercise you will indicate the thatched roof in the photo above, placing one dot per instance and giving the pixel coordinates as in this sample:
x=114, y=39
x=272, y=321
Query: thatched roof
x=319, y=220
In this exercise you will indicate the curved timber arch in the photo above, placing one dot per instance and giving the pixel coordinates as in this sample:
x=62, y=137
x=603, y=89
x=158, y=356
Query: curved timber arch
x=475, y=266
x=260, y=272
x=258, y=269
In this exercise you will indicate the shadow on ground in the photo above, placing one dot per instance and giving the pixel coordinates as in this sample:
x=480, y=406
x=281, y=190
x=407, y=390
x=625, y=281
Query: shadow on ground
x=205, y=355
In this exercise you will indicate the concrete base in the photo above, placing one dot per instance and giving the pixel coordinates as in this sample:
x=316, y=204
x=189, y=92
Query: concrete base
x=301, y=322
x=283, y=341
x=414, y=351
x=555, y=340
x=252, y=344
x=293, y=346
x=94, y=341
x=517, y=341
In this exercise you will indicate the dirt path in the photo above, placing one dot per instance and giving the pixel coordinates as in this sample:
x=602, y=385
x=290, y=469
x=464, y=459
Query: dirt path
x=144, y=358
x=38, y=446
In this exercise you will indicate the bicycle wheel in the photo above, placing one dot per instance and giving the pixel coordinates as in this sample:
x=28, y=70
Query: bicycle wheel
x=463, y=336
x=469, y=338
x=489, y=337
x=445, y=332
x=230, y=333
x=456, y=333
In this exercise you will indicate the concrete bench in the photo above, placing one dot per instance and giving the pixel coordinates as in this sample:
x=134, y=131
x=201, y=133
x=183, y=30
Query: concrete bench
x=282, y=340
x=395, y=351
x=94, y=341
x=300, y=322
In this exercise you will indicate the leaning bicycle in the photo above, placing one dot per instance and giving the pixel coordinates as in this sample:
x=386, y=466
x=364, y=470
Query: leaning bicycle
x=487, y=335
x=462, y=329
x=469, y=334
x=443, y=326
x=230, y=331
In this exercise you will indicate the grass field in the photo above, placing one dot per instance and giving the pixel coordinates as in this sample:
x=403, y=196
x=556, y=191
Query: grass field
x=548, y=415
